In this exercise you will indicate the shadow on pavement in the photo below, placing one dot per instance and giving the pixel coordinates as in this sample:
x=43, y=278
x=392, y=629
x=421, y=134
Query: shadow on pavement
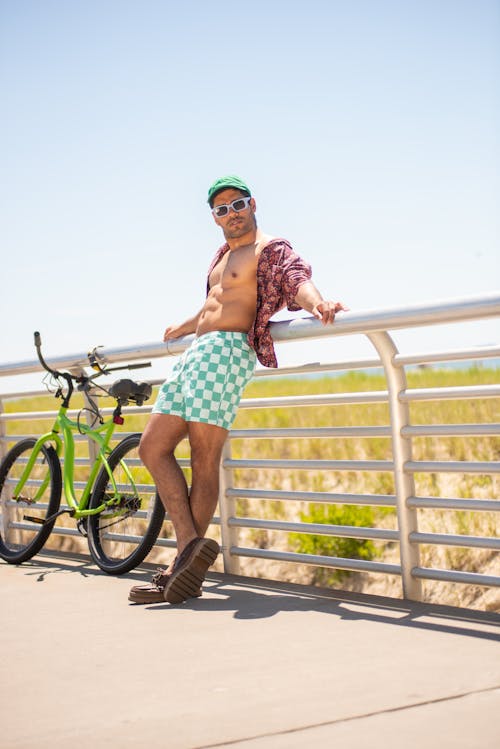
x=254, y=598
x=250, y=598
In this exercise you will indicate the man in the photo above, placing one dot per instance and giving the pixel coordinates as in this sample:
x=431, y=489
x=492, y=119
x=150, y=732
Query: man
x=252, y=276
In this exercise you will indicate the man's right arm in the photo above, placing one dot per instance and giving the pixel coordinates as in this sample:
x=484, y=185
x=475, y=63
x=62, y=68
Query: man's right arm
x=185, y=328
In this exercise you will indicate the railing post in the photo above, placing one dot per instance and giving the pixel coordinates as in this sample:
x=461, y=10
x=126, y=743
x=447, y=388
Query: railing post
x=3, y=433
x=227, y=510
x=402, y=452
x=92, y=446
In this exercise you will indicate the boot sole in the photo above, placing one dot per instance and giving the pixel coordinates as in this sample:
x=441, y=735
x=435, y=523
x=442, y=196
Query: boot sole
x=184, y=583
x=157, y=598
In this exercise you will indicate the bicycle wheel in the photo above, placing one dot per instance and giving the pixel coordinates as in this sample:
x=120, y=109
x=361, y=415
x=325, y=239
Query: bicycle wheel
x=122, y=536
x=22, y=528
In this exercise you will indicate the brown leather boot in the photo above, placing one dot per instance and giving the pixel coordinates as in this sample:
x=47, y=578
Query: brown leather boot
x=153, y=592
x=190, y=569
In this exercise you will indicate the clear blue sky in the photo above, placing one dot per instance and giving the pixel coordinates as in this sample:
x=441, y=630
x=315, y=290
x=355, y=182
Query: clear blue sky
x=368, y=130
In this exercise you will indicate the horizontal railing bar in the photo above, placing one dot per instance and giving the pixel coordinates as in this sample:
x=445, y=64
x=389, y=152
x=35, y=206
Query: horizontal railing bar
x=65, y=531
x=20, y=437
x=421, y=430
x=449, y=539
x=381, y=500
x=451, y=430
x=312, y=465
x=24, y=506
x=29, y=482
x=59, y=530
x=148, y=488
x=17, y=394
x=429, y=357
x=444, y=503
x=464, y=392
x=376, y=396
x=317, y=367
x=32, y=415
x=417, y=315
x=310, y=432
x=452, y=466
x=130, y=462
x=43, y=415
x=326, y=399
x=454, y=576
x=320, y=529
x=353, y=565
x=169, y=543
x=38, y=482
x=122, y=537
x=15, y=438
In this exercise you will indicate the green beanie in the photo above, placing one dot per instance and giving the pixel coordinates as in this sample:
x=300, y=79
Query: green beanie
x=224, y=183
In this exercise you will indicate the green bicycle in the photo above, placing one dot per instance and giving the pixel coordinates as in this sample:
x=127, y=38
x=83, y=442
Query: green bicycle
x=119, y=509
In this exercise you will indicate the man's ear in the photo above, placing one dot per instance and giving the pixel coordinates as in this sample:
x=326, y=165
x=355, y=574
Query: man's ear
x=253, y=204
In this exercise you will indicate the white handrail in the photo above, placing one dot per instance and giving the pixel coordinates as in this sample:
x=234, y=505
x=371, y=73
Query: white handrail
x=418, y=315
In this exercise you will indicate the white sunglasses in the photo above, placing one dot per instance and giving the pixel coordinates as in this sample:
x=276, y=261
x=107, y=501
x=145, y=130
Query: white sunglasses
x=237, y=205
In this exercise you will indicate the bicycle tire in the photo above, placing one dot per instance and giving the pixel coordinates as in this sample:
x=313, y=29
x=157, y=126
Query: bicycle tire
x=17, y=542
x=108, y=548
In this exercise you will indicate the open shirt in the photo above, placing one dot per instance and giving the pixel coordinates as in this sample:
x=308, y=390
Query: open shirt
x=280, y=272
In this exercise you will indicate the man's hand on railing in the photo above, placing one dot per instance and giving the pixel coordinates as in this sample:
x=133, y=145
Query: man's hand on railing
x=326, y=311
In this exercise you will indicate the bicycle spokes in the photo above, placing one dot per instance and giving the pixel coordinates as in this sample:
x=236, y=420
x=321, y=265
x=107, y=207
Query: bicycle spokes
x=30, y=493
x=121, y=535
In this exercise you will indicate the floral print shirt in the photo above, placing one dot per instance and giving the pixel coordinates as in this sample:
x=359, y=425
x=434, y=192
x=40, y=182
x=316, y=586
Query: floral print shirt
x=280, y=272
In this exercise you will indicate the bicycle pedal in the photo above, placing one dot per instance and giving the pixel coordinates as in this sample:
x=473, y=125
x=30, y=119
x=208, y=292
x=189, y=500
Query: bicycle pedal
x=82, y=527
x=45, y=521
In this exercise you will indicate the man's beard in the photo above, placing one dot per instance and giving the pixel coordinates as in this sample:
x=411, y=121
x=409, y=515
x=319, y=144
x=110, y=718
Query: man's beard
x=239, y=227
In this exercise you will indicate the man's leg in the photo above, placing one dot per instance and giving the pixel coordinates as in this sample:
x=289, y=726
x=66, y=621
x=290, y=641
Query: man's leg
x=159, y=440
x=197, y=553
x=207, y=441
x=190, y=514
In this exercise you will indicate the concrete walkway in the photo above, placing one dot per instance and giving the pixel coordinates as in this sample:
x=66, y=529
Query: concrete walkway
x=251, y=664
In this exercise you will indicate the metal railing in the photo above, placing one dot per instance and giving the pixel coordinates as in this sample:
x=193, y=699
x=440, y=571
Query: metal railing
x=402, y=433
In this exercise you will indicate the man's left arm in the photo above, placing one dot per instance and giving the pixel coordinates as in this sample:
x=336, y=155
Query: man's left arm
x=309, y=298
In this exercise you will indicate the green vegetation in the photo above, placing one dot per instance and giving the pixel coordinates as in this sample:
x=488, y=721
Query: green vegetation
x=335, y=546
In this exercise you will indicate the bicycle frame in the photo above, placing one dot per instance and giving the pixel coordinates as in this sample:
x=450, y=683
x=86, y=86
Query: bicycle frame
x=101, y=435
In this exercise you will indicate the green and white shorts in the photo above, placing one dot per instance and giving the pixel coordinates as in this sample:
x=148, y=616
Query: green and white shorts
x=207, y=382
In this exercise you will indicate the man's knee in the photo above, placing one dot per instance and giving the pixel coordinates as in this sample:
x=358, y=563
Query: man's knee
x=145, y=450
x=160, y=438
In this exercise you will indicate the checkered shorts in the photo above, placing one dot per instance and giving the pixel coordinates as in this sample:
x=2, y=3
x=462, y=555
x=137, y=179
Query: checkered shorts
x=207, y=382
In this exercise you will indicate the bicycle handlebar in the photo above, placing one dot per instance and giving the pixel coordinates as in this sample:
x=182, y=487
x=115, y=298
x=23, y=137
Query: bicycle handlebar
x=128, y=366
x=38, y=346
x=65, y=375
x=82, y=379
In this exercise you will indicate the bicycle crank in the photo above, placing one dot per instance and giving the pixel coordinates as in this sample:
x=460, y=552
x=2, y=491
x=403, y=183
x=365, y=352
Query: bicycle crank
x=41, y=521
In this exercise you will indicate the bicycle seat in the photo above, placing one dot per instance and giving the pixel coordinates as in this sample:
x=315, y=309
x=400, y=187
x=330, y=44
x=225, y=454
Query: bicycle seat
x=128, y=390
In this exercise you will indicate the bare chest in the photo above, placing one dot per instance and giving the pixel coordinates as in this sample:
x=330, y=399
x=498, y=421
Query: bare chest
x=235, y=268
